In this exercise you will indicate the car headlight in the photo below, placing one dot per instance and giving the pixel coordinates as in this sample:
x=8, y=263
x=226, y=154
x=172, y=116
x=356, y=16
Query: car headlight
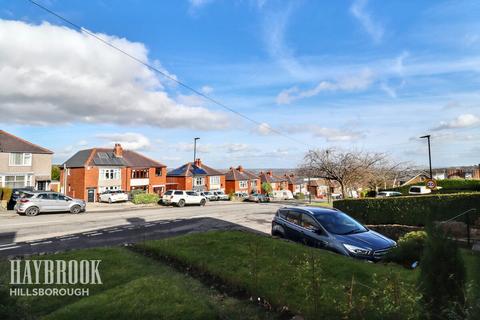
x=356, y=250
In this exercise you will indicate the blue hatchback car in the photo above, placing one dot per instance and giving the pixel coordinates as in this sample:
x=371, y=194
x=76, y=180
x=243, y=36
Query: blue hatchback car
x=332, y=230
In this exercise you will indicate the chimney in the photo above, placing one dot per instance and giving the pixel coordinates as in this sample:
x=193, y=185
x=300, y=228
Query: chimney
x=118, y=150
x=269, y=173
x=231, y=168
x=240, y=168
x=198, y=162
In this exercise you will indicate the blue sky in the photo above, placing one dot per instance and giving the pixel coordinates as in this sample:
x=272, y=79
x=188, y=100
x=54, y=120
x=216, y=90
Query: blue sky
x=368, y=75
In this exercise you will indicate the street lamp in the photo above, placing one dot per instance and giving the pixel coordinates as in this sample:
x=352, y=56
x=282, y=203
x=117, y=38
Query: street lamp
x=429, y=153
x=195, y=149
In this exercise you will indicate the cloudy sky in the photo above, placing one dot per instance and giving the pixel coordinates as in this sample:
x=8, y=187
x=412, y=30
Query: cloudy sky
x=369, y=75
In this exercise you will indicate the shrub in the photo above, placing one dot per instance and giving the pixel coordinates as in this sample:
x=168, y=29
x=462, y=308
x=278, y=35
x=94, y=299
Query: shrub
x=300, y=196
x=144, y=198
x=409, y=248
x=442, y=278
x=414, y=210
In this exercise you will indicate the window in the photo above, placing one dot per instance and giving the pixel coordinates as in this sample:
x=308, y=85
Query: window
x=178, y=193
x=191, y=193
x=282, y=213
x=198, y=181
x=158, y=172
x=16, y=182
x=293, y=217
x=309, y=223
x=243, y=184
x=20, y=159
x=169, y=192
x=110, y=174
x=140, y=174
x=253, y=183
x=214, y=180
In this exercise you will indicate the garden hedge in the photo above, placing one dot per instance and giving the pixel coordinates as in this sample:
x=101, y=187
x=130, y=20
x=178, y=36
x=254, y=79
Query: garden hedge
x=448, y=186
x=145, y=198
x=410, y=210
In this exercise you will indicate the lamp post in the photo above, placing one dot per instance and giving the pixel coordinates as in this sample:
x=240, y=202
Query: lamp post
x=195, y=149
x=429, y=153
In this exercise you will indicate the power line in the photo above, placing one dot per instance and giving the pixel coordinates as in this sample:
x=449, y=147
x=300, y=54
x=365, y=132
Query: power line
x=166, y=75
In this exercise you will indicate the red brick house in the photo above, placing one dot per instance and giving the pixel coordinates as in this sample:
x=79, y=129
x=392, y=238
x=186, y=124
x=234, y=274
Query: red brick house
x=240, y=180
x=195, y=176
x=277, y=183
x=295, y=184
x=93, y=171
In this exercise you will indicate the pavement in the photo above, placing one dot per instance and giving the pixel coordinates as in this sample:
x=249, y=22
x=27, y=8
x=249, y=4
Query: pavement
x=22, y=235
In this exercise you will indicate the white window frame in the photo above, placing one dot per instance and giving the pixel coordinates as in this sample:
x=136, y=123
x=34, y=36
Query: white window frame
x=196, y=181
x=243, y=184
x=26, y=180
x=110, y=174
x=26, y=160
x=214, y=180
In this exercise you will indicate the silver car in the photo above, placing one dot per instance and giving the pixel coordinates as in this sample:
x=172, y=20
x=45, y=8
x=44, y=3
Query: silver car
x=32, y=203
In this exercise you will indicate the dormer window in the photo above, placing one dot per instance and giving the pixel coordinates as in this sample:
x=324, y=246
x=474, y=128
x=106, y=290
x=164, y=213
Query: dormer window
x=20, y=159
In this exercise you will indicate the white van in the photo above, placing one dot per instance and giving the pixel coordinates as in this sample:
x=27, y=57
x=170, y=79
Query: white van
x=419, y=190
x=283, y=195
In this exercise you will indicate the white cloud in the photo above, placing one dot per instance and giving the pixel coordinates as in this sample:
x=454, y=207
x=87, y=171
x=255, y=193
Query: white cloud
x=329, y=134
x=264, y=129
x=56, y=75
x=128, y=140
x=236, y=147
x=360, y=81
x=388, y=90
x=373, y=28
x=462, y=121
x=199, y=3
x=206, y=89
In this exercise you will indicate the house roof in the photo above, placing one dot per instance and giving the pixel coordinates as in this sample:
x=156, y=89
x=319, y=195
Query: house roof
x=251, y=175
x=190, y=169
x=11, y=143
x=294, y=180
x=106, y=157
x=236, y=175
x=264, y=177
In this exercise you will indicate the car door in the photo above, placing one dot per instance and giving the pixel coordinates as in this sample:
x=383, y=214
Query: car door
x=63, y=203
x=293, y=225
x=312, y=233
x=191, y=197
x=47, y=201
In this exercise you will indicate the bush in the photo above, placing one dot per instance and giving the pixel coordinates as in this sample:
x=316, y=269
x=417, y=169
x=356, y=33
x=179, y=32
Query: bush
x=414, y=210
x=442, y=278
x=144, y=198
x=409, y=248
x=448, y=186
x=299, y=196
x=6, y=194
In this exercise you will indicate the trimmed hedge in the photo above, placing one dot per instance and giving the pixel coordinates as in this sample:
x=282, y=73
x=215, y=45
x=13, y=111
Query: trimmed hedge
x=413, y=210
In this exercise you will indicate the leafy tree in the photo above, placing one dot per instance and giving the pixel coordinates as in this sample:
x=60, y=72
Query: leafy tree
x=55, y=173
x=442, y=277
x=267, y=187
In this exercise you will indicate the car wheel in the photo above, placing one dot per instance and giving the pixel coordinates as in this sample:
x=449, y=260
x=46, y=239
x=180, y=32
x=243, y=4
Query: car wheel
x=181, y=203
x=75, y=209
x=32, y=211
x=202, y=202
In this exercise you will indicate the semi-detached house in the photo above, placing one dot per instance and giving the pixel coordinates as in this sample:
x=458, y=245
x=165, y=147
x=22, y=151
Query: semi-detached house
x=241, y=180
x=23, y=164
x=195, y=176
x=93, y=171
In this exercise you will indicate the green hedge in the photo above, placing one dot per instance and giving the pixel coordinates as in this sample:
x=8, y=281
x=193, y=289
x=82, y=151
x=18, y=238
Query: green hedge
x=448, y=186
x=412, y=210
x=144, y=198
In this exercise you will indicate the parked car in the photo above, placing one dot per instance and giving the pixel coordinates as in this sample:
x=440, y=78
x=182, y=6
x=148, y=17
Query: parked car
x=415, y=190
x=35, y=202
x=180, y=198
x=332, y=230
x=241, y=195
x=283, y=195
x=258, y=197
x=221, y=195
x=209, y=195
x=383, y=194
x=111, y=196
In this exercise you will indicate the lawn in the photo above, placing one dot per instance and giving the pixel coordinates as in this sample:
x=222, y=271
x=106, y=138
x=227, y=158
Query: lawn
x=307, y=281
x=134, y=287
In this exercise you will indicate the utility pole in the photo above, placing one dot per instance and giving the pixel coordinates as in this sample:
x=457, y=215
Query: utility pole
x=195, y=149
x=429, y=153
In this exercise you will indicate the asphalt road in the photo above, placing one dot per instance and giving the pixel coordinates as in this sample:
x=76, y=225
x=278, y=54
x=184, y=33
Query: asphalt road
x=21, y=235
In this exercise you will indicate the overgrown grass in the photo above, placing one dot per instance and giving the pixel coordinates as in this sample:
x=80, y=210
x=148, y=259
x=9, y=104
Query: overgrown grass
x=308, y=281
x=134, y=287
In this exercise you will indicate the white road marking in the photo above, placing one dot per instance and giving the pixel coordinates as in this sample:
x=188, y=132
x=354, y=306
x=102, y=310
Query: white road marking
x=148, y=225
x=94, y=234
x=37, y=243
x=8, y=248
x=113, y=231
x=71, y=238
x=7, y=244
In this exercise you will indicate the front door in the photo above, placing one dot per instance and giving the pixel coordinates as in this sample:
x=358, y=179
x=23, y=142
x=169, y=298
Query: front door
x=91, y=195
x=41, y=185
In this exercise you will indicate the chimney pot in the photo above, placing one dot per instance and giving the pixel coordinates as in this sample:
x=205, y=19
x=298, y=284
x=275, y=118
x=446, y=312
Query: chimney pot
x=240, y=168
x=118, y=150
x=198, y=162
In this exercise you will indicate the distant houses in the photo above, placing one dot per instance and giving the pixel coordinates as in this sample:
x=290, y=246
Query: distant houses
x=195, y=176
x=241, y=180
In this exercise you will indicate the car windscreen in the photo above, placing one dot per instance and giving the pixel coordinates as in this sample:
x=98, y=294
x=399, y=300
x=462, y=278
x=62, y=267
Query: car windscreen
x=339, y=223
x=168, y=193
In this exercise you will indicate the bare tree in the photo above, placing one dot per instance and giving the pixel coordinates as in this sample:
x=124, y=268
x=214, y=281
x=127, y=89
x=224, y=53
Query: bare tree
x=351, y=169
x=387, y=173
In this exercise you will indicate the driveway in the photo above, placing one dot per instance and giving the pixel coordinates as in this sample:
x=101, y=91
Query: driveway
x=16, y=229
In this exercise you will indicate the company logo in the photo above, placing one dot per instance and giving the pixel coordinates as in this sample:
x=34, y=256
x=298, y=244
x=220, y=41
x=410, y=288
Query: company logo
x=51, y=273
